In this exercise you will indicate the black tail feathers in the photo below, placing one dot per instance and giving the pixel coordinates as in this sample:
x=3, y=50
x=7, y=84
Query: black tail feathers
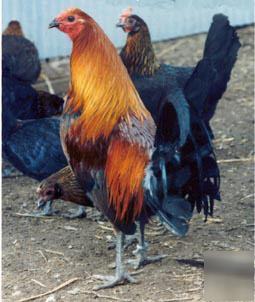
x=221, y=47
x=173, y=210
x=175, y=214
x=203, y=186
x=209, y=79
x=192, y=181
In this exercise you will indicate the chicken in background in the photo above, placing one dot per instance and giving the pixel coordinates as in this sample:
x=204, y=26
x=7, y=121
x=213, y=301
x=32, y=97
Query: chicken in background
x=62, y=185
x=30, y=142
x=21, y=68
x=34, y=148
x=18, y=108
x=202, y=85
x=108, y=133
x=20, y=59
x=26, y=103
x=13, y=29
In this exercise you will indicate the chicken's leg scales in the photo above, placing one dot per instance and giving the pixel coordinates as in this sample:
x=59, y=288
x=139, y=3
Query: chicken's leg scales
x=129, y=240
x=141, y=251
x=120, y=275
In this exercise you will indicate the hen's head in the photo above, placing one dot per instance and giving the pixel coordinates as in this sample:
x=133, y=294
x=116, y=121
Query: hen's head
x=131, y=23
x=71, y=21
x=48, y=190
x=14, y=28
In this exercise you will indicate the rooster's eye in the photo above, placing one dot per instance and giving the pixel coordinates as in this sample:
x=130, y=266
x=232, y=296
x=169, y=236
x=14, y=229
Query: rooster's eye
x=70, y=18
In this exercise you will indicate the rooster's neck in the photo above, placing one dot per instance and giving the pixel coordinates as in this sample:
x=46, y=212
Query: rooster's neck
x=101, y=90
x=138, y=55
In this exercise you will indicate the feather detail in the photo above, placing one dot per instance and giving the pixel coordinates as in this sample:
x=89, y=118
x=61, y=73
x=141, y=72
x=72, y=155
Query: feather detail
x=101, y=89
x=125, y=172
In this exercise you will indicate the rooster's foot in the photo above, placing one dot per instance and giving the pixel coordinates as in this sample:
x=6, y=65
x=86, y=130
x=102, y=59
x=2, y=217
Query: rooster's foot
x=112, y=281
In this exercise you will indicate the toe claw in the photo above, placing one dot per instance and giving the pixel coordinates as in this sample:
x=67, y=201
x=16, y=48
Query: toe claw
x=112, y=281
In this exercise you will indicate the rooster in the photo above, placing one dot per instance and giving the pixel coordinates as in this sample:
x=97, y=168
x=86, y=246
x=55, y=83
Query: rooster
x=108, y=133
x=203, y=86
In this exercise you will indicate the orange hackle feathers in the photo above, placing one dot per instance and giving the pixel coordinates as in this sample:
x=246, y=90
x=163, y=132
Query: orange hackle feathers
x=125, y=171
x=101, y=90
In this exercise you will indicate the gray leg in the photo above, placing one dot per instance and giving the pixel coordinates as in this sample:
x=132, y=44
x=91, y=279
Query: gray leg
x=141, y=251
x=120, y=275
x=129, y=240
x=80, y=213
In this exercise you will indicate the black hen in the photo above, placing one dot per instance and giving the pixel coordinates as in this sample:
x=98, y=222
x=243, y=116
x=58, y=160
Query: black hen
x=20, y=59
x=34, y=147
x=26, y=103
x=202, y=86
x=20, y=68
x=182, y=100
x=31, y=141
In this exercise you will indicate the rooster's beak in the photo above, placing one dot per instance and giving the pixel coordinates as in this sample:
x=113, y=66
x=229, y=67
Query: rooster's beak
x=54, y=23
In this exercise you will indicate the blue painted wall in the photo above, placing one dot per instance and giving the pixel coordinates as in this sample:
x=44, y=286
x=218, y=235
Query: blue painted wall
x=166, y=18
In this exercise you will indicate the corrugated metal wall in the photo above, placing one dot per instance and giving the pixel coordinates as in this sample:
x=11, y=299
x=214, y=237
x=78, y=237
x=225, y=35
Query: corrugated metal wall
x=166, y=18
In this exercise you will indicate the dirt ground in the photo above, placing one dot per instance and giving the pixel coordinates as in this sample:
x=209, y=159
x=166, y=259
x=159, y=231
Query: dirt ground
x=39, y=254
